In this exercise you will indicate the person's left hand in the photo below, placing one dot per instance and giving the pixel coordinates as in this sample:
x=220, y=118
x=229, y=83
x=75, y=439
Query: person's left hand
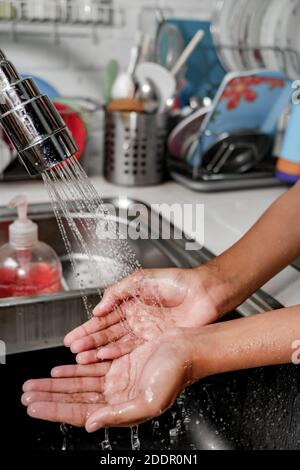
x=124, y=392
x=143, y=306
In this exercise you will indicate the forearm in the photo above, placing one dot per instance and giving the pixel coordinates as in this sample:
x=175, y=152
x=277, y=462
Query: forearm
x=271, y=244
x=262, y=340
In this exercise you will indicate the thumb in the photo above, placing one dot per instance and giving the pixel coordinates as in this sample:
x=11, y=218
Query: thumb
x=125, y=414
x=118, y=293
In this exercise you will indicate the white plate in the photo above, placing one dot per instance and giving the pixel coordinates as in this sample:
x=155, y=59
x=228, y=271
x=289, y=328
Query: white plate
x=252, y=58
x=162, y=79
x=249, y=11
x=270, y=36
x=225, y=29
x=281, y=33
x=234, y=26
x=220, y=32
x=290, y=39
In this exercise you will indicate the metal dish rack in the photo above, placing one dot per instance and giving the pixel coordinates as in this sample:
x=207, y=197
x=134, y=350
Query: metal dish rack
x=59, y=18
x=259, y=49
x=262, y=176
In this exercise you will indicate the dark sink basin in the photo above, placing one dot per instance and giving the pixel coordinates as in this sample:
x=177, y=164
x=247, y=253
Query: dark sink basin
x=257, y=409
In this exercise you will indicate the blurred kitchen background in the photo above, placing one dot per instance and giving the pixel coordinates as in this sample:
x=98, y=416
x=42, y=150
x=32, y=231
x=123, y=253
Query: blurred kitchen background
x=72, y=57
x=184, y=118
x=211, y=131
x=193, y=103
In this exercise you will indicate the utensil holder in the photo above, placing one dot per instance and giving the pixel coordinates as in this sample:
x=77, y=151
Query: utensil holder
x=135, y=148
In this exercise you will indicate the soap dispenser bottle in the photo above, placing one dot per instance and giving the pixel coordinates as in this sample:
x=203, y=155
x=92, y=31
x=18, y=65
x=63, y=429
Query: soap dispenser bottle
x=28, y=267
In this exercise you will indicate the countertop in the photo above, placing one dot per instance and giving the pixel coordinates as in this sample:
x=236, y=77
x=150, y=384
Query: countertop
x=227, y=216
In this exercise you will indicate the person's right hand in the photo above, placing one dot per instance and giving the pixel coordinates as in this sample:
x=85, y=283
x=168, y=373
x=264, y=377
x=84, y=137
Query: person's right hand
x=143, y=306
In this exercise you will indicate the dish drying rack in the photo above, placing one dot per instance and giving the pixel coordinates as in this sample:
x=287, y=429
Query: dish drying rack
x=208, y=179
x=18, y=17
x=263, y=175
x=283, y=53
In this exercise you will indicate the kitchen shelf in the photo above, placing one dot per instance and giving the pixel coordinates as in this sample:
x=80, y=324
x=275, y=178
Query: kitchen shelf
x=19, y=18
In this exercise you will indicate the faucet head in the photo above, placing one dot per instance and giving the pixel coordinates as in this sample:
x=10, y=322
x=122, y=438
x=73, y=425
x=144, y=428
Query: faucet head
x=32, y=122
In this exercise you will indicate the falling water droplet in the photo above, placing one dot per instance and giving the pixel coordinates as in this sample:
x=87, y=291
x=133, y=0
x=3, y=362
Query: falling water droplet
x=173, y=432
x=105, y=445
x=135, y=442
x=88, y=230
x=64, y=431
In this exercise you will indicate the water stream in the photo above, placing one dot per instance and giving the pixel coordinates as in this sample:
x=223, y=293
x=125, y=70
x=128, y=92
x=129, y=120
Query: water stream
x=87, y=229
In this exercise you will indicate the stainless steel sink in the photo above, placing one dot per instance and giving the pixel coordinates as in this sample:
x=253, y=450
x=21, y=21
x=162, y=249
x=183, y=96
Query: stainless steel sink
x=28, y=324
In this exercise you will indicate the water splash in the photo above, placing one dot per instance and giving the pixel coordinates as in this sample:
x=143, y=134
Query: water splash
x=87, y=228
x=64, y=430
x=106, y=445
x=135, y=441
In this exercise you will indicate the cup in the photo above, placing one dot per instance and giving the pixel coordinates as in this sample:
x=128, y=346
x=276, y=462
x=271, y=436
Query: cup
x=288, y=163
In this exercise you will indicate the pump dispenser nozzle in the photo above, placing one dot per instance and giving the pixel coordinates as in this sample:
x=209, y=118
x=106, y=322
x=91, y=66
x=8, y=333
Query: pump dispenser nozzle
x=23, y=233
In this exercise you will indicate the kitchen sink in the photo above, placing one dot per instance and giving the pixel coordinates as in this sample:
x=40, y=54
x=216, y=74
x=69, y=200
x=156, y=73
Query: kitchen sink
x=256, y=409
x=41, y=322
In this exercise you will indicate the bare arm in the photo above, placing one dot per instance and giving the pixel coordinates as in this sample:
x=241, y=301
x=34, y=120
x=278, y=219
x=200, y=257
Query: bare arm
x=262, y=340
x=197, y=297
x=271, y=244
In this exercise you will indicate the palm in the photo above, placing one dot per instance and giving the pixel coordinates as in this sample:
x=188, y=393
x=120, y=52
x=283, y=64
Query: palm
x=127, y=391
x=141, y=311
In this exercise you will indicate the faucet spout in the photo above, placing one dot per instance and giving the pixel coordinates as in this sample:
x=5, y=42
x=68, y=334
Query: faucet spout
x=32, y=122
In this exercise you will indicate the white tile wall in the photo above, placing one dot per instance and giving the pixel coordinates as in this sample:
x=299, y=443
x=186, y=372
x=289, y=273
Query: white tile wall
x=74, y=65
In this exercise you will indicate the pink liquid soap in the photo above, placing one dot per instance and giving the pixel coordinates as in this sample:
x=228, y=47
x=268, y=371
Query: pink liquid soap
x=37, y=279
x=28, y=267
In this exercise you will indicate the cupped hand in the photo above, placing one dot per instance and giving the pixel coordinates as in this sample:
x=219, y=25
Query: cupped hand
x=143, y=306
x=124, y=392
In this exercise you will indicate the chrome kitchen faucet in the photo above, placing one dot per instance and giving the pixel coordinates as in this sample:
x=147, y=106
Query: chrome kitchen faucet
x=31, y=121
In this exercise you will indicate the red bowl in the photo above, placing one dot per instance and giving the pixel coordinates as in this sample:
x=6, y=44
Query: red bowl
x=75, y=125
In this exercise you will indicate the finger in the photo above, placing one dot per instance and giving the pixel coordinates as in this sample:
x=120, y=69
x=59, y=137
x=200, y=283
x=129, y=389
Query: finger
x=69, y=413
x=67, y=385
x=118, y=349
x=125, y=414
x=116, y=294
x=87, y=357
x=92, y=326
x=92, y=370
x=89, y=397
x=100, y=338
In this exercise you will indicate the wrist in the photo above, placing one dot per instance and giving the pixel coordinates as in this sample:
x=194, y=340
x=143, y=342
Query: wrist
x=203, y=353
x=222, y=347
x=220, y=285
